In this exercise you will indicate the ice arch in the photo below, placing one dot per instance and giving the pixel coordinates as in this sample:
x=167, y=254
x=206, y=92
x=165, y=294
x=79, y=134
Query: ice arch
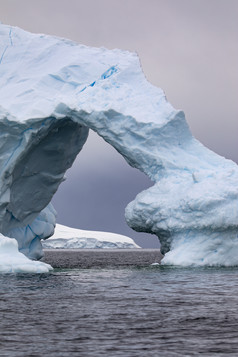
x=52, y=90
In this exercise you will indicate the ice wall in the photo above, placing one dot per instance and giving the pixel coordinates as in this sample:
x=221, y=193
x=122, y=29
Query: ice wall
x=51, y=92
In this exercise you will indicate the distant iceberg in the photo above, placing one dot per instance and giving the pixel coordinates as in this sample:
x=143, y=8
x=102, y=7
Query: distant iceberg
x=71, y=238
x=52, y=91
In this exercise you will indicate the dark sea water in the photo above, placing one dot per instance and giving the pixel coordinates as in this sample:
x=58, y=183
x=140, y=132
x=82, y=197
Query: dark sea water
x=104, y=306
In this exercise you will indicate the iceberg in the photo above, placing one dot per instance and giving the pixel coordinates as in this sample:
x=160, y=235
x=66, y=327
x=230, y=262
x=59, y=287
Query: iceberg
x=12, y=261
x=52, y=91
x=71, y=238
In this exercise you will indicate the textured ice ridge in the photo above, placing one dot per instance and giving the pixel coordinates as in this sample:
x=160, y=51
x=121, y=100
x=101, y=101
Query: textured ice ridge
x=51, y=92
x=70, y=238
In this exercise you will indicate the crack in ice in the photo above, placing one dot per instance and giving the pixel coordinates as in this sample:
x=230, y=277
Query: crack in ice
x=5, y=49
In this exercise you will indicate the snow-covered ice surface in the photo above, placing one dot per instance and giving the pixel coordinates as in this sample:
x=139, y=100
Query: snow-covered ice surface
x=12, y=261
x=51, y=92
x=67, y=238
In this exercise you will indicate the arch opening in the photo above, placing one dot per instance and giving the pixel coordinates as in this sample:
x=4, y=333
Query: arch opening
x=99, y=186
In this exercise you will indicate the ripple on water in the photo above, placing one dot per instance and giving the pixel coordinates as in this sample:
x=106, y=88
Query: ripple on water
x=128, y=311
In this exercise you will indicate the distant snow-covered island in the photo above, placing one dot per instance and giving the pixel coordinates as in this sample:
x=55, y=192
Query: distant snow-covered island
x=71, y=238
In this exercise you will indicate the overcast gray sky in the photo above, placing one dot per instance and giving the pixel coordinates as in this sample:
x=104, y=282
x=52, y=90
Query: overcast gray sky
x=187, y=47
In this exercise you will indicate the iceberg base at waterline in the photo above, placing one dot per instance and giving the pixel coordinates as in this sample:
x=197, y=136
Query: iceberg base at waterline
x=203, y=249
x=71, y=238
x=12, y=261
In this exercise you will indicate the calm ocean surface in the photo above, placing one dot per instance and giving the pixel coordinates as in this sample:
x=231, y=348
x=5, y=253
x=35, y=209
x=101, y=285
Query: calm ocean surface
x=103, y=305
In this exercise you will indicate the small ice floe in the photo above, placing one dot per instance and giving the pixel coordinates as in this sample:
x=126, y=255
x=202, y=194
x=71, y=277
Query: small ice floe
x=12, y=261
